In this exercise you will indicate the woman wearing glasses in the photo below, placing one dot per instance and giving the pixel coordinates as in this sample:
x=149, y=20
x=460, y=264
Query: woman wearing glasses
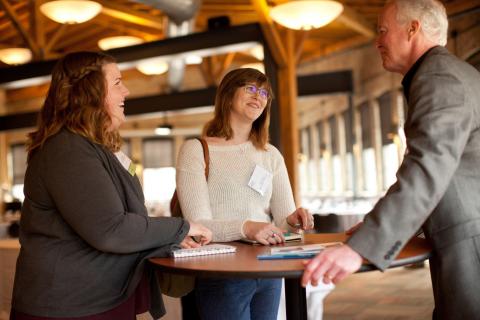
x=247, y=195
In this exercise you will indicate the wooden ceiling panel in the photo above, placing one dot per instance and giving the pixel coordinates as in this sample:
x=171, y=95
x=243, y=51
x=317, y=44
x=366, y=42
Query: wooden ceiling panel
x=128, y=17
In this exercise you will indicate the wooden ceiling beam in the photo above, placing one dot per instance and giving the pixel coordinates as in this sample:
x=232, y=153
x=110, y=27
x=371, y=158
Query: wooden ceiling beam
x=302, y=36
x=122, y=29
x=10, y=12
x=54, y=38
x=191, y=42
x=125, y=13
x=227, y=61
x=315, y=51
x=461, y=6
x=327, y=83
x=37, y=26
x=357, y=22
x=77, y=34
x=271, y=32
x=468, y=43
x=224, y=7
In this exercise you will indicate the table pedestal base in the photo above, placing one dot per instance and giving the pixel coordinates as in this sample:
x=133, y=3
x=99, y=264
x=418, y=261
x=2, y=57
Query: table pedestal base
x=296, y=300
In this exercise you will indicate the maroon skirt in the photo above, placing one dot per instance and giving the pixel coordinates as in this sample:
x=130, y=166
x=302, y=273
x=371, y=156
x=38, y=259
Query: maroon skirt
x=138, y=303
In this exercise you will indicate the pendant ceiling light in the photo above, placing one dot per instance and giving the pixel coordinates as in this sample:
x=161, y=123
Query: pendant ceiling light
x=193, y=59
x=15, y=56
x=163, y=130
x=71, y=11
x=306, y=15
x=154, y=66
x=118, y=42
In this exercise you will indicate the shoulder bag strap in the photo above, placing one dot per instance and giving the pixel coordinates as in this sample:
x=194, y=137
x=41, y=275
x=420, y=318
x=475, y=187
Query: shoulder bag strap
x=206, y=155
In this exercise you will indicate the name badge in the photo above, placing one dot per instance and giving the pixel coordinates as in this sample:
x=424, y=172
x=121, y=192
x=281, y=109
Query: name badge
x=260, y=180
x=126, y=162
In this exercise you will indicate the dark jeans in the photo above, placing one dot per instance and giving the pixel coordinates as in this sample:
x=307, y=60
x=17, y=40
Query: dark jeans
x=239, y=299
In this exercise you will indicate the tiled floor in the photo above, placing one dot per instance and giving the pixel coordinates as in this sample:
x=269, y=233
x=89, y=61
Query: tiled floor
x=397, y=294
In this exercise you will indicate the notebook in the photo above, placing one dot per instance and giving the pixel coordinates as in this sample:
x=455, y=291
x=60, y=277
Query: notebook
x=204, y=250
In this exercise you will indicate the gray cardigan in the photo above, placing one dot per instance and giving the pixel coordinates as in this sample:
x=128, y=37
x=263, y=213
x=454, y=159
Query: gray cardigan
x=85, y=233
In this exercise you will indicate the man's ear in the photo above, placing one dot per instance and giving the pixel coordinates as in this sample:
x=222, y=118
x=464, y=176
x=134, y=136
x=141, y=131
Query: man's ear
x=413, y=29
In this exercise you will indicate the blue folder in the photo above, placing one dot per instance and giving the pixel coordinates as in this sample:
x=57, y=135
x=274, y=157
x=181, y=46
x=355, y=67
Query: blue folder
x=283, y=256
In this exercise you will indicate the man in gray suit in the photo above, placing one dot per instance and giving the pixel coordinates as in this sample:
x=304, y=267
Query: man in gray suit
x=438, y=182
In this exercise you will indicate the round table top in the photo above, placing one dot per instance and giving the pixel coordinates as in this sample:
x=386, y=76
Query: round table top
x=244, y=262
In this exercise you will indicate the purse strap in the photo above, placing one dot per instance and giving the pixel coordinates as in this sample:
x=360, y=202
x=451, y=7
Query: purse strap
x=206, y=155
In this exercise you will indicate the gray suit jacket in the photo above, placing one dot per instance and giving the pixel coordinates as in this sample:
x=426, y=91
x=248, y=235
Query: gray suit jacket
x=85, y=232
x=438, y=183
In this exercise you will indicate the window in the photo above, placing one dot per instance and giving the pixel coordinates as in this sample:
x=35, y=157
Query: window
x=18, y=168
x=158, y=174
x=127, y=147
x=389, y=149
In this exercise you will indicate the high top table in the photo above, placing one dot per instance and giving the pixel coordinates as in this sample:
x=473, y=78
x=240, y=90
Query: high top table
x=244, y=264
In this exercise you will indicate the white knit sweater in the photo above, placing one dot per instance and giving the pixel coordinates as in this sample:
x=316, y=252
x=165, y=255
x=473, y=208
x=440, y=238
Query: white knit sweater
x=226, y=201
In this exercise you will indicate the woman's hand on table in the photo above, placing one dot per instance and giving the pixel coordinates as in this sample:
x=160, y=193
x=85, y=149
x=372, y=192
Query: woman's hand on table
x=198, y=235
x=263, y=232
x=301, y=219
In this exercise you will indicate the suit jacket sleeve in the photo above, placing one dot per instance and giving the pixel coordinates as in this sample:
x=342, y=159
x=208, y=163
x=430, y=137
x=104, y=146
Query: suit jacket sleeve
x=437, y=130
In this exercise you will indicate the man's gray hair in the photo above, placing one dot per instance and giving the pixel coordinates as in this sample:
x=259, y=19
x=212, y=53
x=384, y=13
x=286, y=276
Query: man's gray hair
x=430, y=13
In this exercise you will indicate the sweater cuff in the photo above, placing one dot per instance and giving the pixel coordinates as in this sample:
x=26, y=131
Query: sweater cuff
x=241, y=229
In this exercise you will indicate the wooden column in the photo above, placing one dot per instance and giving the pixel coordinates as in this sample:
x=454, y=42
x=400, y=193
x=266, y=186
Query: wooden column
x=4, y=181
x=287, y=101
x=284, y=51
x=3, y=148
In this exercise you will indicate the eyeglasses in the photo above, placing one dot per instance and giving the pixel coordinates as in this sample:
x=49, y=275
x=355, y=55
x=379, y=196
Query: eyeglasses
x=253, y=90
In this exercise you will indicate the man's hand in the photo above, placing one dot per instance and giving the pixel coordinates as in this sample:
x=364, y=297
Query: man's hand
x=331, y=265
